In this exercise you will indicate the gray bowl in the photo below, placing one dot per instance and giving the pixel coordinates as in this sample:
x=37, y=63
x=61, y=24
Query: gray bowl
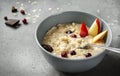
x=64, y=64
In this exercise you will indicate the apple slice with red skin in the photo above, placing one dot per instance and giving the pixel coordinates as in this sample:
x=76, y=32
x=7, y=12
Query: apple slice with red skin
x=100, y=36
x=95, y=28
x=83, y=30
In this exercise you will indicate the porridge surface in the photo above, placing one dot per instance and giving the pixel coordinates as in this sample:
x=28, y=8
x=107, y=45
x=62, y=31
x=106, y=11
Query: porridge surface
x=65, y=37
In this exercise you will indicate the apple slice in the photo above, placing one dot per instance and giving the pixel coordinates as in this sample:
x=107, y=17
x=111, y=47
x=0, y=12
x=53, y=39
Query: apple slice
x=95, y=28
x=83, y=30
x=100, y=36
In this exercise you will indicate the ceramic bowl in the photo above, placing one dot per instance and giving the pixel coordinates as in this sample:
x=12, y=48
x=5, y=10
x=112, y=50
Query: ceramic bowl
x=71, y=65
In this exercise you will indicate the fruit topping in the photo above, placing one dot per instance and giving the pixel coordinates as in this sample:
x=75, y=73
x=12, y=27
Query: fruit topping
x=100, y=36
x=88, y=55
x=83, y=30
x=64, y=54
x=95, y=28
x=74, y=36
x=72, y=52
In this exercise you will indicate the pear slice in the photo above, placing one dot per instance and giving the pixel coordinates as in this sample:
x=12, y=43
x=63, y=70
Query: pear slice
x=100, y=36
x=95, y=28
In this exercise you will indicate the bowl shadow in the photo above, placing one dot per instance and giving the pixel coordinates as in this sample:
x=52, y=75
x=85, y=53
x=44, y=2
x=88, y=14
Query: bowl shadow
x=110, y=66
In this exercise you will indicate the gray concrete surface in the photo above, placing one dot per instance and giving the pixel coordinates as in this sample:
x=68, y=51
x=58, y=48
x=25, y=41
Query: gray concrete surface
x=19, y=53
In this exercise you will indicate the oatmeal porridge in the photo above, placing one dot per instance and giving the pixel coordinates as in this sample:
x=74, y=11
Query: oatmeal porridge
x=64, y=40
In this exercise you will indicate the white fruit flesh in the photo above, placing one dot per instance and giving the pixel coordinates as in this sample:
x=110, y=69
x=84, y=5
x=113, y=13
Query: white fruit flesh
x=93, y=31
x=100, y=36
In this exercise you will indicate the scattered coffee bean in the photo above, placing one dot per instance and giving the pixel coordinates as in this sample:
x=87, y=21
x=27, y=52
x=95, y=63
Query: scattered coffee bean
x=64, y=54
x=24, y=21
x=73, y=52
x=14, y=10
x=88, y=54
x=12, y=22
x=68, y=32
x=47, y=47
x=5, y=18
x=22, y=11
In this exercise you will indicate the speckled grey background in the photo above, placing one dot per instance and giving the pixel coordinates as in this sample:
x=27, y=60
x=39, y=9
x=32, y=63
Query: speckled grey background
x=19, y=53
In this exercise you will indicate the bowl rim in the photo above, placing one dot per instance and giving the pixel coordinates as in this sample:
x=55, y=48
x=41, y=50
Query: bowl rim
x=69, y=59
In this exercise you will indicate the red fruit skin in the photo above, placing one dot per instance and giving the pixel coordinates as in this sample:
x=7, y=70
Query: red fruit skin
x=98, y=22
x=64, y=54
x=22, y=12
x=88, y=54
x=74, y=36
x=24, y=21
x=83, y=30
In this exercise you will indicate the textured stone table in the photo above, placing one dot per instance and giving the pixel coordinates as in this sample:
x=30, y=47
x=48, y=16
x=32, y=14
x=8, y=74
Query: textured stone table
x=19, y=53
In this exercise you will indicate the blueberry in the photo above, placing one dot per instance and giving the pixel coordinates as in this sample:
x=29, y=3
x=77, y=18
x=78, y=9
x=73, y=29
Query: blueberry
x=88, y=54
x=73, y=52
